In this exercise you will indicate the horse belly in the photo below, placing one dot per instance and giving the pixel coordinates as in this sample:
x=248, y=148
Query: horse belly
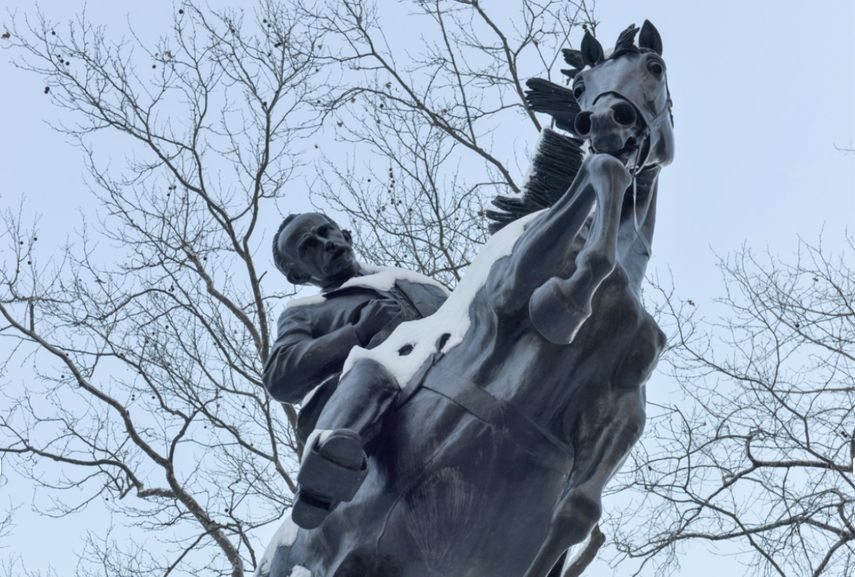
x=469, y=501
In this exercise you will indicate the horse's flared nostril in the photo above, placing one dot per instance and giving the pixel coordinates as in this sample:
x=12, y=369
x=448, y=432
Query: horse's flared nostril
x=582, y=123
x=623, y=113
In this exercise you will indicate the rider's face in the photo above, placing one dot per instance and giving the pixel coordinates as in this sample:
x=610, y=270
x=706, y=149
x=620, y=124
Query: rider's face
x=320, y=250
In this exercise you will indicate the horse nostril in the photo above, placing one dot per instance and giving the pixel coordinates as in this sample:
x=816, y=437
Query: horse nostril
x=582, y=123
x=623, y=113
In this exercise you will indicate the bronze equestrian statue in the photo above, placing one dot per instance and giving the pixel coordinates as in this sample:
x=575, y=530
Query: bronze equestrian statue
x=522, y=395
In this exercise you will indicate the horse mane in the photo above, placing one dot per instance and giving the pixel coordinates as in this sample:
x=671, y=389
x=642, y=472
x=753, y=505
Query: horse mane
x=552, y=171
x=559, y=156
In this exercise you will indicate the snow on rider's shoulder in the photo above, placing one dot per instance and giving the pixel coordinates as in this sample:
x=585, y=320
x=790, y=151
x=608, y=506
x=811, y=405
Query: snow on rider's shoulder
x=374, y=277
x=412, y=342
x=385, y=277
x=305, y=301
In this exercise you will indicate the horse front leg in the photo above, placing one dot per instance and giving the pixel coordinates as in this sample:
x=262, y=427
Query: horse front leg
x=545, y=248
x=559, y=307
x=580, y=507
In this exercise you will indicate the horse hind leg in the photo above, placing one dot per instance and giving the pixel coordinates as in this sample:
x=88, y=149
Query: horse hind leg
x=581, y=505
x=559, y=307
x=571, y=524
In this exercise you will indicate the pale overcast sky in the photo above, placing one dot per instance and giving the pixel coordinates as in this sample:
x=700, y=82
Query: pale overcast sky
x=764, y=90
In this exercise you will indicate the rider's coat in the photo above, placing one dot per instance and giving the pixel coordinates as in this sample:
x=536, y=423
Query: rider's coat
x=315, y=335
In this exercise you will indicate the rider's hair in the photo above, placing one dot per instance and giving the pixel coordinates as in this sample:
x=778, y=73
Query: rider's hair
x=278, y=258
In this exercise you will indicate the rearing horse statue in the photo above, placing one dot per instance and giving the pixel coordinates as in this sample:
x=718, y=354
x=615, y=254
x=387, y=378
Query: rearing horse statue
x=523, y=394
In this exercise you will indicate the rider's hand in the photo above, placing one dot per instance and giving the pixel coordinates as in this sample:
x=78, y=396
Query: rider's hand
x=374, y=317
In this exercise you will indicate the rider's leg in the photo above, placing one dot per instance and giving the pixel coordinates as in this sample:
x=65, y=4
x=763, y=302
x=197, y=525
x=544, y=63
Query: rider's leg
x=334, y=462
x=363, y=396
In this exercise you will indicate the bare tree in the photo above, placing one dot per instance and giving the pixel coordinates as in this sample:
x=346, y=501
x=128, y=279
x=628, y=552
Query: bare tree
x=760, y=451
x=420, y=112
x=146, y=335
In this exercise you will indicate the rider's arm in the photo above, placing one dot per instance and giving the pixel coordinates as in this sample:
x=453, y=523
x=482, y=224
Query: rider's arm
x=298, y=361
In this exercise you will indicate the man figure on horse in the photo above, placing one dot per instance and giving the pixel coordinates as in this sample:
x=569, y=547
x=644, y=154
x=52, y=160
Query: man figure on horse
x=357, y=306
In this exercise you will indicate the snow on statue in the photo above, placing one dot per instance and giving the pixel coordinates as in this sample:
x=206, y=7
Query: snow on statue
x=502, y=416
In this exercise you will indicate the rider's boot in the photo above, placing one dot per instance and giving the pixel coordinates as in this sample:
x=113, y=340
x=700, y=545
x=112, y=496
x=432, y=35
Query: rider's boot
x=332, y=470
x=334, y=462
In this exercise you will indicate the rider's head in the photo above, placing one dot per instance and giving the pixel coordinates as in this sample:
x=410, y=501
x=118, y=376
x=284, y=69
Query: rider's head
x=310, y=248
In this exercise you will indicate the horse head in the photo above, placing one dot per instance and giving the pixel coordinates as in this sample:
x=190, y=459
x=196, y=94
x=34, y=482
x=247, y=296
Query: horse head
x=624, y=103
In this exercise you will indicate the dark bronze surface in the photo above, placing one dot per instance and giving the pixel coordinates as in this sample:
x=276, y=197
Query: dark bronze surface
x=494, y=461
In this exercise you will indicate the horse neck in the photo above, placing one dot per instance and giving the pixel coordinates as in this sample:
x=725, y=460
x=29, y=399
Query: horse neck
x=638, y=220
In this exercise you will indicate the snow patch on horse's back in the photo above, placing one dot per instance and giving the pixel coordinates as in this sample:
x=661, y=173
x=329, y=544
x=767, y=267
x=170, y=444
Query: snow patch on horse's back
x=410, y=345
x=284, y=537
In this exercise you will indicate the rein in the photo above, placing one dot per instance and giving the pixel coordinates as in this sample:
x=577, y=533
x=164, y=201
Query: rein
x=639, y=166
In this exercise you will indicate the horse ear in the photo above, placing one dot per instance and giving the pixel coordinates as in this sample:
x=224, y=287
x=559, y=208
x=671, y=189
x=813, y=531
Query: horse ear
x=592, y=50
x=573, y=58
x=649, y=38
x=347, y=236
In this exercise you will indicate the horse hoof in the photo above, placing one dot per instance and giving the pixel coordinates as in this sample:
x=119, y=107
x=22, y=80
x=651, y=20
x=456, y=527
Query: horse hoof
x=335, y=467
x=310, y=511
x=554, y=317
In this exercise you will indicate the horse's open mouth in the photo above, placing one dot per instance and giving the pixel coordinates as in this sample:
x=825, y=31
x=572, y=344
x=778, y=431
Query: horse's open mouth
x=627, y=153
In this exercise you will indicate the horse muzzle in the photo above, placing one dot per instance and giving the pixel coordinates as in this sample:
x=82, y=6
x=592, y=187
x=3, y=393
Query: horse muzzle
x=613, y=126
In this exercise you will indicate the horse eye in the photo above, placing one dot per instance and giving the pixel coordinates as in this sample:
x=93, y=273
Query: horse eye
x=578, y=90
x=655, y=67
x=323, y=230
